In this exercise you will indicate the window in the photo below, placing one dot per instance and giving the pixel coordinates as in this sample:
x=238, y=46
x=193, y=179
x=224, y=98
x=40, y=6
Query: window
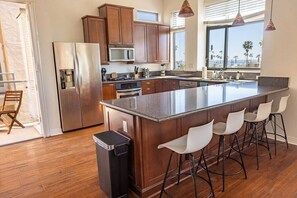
x=178, y=40
x=235, y=47
x=147, y=16
x=179, y=49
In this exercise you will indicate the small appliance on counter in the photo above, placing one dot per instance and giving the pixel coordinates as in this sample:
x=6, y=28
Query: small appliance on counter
x=103, y=74
x=162, y=70
x=204, y=72
x=146, y=73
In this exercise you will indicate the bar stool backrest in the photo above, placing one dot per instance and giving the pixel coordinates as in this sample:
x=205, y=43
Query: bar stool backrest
x=199, y=137
x=234, y=122
x=263, y=111
x=283, y=104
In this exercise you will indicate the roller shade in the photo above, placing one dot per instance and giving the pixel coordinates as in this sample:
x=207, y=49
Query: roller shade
x=229, y=9
x=177, y=22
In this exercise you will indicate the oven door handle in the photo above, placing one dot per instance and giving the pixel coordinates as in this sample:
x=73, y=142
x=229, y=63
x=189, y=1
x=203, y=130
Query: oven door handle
x=128, y=90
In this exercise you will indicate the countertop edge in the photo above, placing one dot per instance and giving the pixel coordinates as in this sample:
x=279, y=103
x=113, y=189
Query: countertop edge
x=199, y=79
x=191, y=112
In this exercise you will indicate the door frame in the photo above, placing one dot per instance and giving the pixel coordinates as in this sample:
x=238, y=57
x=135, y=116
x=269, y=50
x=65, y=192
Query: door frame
x=38, y=69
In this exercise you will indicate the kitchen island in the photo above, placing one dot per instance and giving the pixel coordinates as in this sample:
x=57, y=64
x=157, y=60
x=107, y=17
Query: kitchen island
x=157, y=118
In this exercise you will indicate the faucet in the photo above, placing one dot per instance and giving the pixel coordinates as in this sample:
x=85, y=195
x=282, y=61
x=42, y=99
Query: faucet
x=221, y=74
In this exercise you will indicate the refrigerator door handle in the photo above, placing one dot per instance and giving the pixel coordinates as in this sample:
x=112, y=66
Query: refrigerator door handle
x=76, y=67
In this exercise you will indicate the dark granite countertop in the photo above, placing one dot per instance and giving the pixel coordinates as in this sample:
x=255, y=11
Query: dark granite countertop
x=178, y=78
x=167, y=105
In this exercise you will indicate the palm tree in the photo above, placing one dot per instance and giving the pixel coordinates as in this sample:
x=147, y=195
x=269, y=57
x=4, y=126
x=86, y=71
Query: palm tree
x=247, y=45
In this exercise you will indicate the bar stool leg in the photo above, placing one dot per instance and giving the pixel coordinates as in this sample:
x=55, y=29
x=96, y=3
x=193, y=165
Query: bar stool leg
x=245, y=131
x=210, y=183
x=231, y=147
x=257, y=149
x=179, y=168
x=242, y=163
x=265, y=133
x=193, y=172
x=166, y=174
x=223, y=166
x=274, y=131
x=218, y=158
x=285, y=132
x=254, y=133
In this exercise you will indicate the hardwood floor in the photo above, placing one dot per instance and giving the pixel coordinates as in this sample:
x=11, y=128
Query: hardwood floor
x=66, y=166
x=60, y=166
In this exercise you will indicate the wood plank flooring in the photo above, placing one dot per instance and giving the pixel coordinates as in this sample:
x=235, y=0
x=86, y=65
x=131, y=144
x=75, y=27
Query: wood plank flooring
x=66, y=166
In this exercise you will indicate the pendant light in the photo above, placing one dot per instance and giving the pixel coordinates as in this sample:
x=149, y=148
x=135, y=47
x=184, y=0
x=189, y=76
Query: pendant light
x=238, y=19
x=270, y=26
x=186, y=10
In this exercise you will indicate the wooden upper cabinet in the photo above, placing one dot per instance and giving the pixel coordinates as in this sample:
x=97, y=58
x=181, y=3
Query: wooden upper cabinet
x=152, y=43
x=127, y=25
x=139, y=39
x=119, y=24
x=163, y=44
x=113, y=25
x=95, y=32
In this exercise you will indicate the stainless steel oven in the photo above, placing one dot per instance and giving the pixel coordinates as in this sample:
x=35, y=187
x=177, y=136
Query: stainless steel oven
x=128, y=89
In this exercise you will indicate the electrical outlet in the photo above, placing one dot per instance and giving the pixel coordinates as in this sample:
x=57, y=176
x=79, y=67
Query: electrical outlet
x=125, y=126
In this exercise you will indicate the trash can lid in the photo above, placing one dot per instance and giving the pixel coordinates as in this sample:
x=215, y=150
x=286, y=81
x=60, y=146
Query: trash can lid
x=110, y=139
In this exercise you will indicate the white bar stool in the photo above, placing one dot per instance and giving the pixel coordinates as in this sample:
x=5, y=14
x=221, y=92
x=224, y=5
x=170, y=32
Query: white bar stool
x=272, y=118
x=253, y=120
x=196, y=139
x=234, y=123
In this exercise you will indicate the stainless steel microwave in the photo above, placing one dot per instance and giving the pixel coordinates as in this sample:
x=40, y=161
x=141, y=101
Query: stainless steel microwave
x=121, y=54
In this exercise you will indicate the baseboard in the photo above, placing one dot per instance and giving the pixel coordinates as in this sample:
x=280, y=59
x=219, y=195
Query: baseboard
x=291, y=140
x=54, y=132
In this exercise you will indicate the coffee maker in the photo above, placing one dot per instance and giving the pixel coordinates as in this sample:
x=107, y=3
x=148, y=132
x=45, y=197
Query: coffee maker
x=103, y=74
x=145, y=72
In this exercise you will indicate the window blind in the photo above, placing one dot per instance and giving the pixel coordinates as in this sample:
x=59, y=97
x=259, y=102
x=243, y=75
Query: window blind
x=229, y=9
x=177, y=22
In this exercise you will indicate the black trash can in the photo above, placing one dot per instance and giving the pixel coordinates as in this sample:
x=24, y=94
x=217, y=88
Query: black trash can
x=112, y=156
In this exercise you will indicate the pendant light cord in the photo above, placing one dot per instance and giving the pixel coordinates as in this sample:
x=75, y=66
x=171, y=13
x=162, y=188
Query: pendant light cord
x=239, y=7
x=271, y=9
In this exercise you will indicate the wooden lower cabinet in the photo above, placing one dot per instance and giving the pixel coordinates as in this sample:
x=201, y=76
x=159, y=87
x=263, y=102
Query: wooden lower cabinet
x=148, y=87
x=109, y=91
x=170, y=85
x=148, y=163
x=158, y=86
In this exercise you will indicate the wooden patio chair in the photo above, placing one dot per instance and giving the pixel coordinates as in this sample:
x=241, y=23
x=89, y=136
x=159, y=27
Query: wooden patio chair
x=10, y=108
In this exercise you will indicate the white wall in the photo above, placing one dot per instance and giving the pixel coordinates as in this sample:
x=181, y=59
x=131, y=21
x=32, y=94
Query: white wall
x=195, y=30
x=279, y=55
x=60, y=20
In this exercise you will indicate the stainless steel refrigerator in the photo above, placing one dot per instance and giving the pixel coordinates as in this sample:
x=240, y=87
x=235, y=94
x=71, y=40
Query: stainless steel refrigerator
x=79, y=84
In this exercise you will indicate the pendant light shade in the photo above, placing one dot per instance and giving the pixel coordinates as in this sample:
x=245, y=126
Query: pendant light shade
x=186, y=10
x=238, y=19
x=270, y=26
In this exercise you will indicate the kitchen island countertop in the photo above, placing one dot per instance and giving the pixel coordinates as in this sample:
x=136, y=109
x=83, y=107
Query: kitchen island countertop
x=168, y=105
